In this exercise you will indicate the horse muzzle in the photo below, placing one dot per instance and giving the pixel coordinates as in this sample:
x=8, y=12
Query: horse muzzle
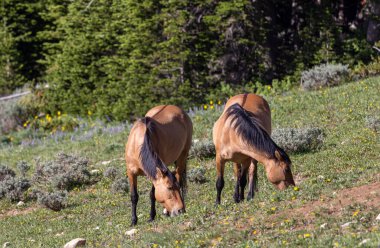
x=177, y=212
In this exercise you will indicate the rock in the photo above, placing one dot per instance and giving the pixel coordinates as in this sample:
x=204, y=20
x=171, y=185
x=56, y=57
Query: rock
x=95, y=172
x=364, y=241
x=75, y=243
x=378, y=217
x=345, y=225
x=323, y=225
x=6, y=244
x=106, y=162
x=131, y=232
x=60, y=234
x=97, y=228
x=20, y=203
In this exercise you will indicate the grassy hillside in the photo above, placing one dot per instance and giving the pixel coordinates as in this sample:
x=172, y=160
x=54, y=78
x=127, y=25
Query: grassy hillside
x=312, y=214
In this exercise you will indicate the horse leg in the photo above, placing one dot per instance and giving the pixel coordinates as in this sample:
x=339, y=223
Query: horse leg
x=134, y=195
x=252, y=179
x=237, y=172
x=152, y=204
x=180, y=173
x=220, y=181
x=243, y=178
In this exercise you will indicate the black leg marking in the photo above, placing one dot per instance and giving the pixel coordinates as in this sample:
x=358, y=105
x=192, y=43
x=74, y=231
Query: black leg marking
x=219, y=187
x=152, y=204
x=237, y=187
x=134, y=199
x=243, y=183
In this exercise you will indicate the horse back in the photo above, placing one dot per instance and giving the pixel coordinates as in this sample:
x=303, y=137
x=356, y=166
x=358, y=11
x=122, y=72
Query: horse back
x=174, y=131
x=256, y=105
x=227, y=143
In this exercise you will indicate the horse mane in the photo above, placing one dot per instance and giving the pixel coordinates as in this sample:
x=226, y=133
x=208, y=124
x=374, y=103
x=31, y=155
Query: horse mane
x=148, y=157
x=246, y=125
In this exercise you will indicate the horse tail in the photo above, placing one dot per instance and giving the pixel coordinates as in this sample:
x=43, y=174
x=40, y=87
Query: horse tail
x=246, y=125
x=148, y=157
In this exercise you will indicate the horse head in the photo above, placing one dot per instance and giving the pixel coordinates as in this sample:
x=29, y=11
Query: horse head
x=167, y=192
x=279, y=172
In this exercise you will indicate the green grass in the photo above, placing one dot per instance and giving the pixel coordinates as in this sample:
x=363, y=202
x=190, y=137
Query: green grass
x=348, y=158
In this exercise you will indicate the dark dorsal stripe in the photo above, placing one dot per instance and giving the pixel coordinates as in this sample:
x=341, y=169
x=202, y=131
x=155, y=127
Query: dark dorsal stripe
x=148, y=157
x=246, y=125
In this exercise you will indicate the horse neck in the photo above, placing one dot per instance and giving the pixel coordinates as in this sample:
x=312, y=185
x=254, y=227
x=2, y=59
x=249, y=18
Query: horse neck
x=262, y=157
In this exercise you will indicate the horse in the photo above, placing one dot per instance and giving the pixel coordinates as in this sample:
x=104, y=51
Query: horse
x=242, y=135
x=161, y=138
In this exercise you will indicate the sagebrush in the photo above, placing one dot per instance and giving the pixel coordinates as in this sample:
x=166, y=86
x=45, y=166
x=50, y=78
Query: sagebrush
x=324, y=75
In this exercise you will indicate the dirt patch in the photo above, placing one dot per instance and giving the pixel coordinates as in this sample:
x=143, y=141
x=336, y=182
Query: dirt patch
x=366, y=195
x=15, y=212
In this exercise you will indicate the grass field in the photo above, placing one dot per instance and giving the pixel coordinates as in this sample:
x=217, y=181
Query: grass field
x=337, y=184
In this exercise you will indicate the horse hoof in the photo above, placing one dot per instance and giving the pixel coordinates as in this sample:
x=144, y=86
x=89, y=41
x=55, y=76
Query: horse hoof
x=134, y=223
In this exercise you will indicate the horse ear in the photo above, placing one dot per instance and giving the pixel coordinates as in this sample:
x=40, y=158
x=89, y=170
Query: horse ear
x=159, y=174
x=278, y=155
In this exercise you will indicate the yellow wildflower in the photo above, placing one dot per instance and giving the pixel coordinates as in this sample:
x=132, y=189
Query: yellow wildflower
x=59, y=113
x=205, y=106
x=211, y=102
x=212, y=107
x=296, y=188
x=219, y=102
x=307, y=235
x=89, y=112
x=356, y=213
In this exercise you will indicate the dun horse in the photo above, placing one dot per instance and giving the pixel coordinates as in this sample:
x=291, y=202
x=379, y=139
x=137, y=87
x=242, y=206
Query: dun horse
x=162, y=137
x=242, y=135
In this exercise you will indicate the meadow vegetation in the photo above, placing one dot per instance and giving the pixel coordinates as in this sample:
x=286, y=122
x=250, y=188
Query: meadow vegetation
x=98, y=208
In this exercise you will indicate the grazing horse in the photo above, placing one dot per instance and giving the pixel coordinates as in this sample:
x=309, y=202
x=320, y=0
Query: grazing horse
x=162, y=137
x=242, y=135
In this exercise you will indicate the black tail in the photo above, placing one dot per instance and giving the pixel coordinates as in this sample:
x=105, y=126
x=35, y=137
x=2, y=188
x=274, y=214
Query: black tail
x=149, y=158
x=246, y=125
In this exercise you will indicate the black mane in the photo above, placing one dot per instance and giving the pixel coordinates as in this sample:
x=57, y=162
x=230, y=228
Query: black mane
x=149, y=158
x=246, y=125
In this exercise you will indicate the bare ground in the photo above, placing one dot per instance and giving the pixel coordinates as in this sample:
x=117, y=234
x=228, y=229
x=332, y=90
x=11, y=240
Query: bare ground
x=15, y=212
x=367, y=196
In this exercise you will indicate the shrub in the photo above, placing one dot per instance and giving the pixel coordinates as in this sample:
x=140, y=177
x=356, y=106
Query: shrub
x=111, y=173
x=64, y=173
x=298, y=140
x=53, y=122
x=197, y=175
x=14, y=188
x=6, y=172
x=33, y=193
x=54, y=201
x=324, y=75
x=121, y=185
x=9, y=111
x=23, y=167
x=202, y=149
x=373, y=123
